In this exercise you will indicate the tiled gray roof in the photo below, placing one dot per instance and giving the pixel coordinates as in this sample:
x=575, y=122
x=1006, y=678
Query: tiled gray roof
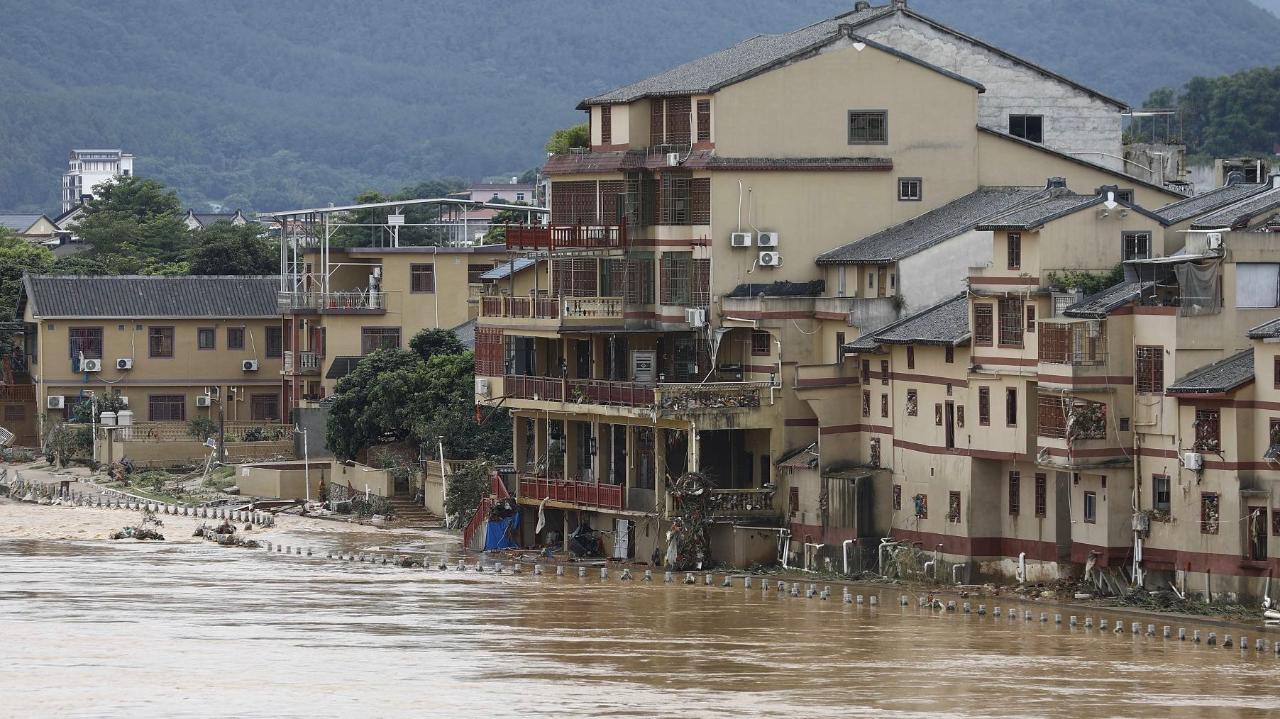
x=18, y=223
x=1204, y=202
x=1266, y=330
x=745, y=58
x=931, y=228
x=152, y=297
x=1057, y=203
x=1098, y=306
x=946, y=323
x=1221, y=376
x=208, y=218
x=1240, y=213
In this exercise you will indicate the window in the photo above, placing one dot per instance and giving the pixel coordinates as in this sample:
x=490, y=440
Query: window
x=884, y=405
x=982, y=325
x=704, y=121
x=87, y=340
x=14, y=413
x=984, y=406
x=166, y=408
x=839, y=347
x=871, y=280
x=884, y=372
x=1011, y=323
x=953, y=507
x=866, y=403
x=937, y=414
x=1014, y=242
x=912, y=403
x=960, y=415
x=1209, y=507
x=206, y=338
x=1011, y=406
x=475, y=273
x=1015, y=493
x=264, y=407
x=1091, y=507
x=274, y=341
x=606, y=125
x=373, y=339
x=1275, y=371
x=909, y=189
x=866, y=371
x=1257, y=284
x=422, y=278
x=1137, y=245
x=1207, y=428
x=897, y=497
x=1028, y=127
x=160, y=341
x=760, y=344
x=949, y=354
x=235, y=338
x=1125, y=196
x=1031, y=319
x=868, y=127
x=874, y=457
x=911, y=357
x=1161, y=493
x=519, y=197
x=793, y=501
x=1042, y=495
x=1148, y=369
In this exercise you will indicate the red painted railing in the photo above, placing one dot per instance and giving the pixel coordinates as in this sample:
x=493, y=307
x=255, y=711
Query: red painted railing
x=569, y=237
x=599, y=391
x=606, y=496
x=550, y=389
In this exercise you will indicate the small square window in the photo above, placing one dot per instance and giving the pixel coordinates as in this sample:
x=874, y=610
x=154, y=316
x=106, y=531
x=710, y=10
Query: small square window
x=205, y=338
x=1090, y=507
x=1162, y=499
x=760, y=344
x=868, y=127
x=1028, y=127
x=910, y=189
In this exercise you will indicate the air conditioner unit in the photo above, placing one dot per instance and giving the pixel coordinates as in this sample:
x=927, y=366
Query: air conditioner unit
x=249, y=365
x=55, y=401
x=1193, y=461
x=770, y=259
x=768, y=239
x=124, y=363
x=695, y=317
x=482, y=388
x=204, y=400
x=673, y=159
x=1213, y=241
x=90, y=365
x=740, y=239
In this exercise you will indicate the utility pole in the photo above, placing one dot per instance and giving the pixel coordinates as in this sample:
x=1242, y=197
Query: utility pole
x=222, y=430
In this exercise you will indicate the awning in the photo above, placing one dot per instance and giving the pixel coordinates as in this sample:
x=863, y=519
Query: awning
x=341, y=367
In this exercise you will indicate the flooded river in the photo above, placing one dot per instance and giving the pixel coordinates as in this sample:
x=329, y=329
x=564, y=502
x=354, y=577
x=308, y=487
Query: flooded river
x=94, y=629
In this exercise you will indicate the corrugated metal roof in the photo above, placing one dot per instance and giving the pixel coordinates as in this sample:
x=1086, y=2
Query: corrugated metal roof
x=151, y=297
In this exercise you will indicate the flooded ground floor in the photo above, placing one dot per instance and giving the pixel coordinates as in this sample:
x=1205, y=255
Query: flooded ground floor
x=93, y=628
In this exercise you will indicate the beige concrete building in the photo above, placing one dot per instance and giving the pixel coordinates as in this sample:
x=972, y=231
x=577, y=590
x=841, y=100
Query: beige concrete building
x=163, y=343
x=685, y=293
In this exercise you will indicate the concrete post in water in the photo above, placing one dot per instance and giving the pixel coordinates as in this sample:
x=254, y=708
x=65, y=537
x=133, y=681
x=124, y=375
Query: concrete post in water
x=1260, y=645
x=746, y=582
x=1244, y=643
x=1213, y=639
x=668, y=577
x=996, y=612
x=903, y=600
x=1151, y=630
x=1168, y=632
x=1088, y=622
x=951, y=607
x=268, y=546
x=782, y=586
x=1119, y=626
x=707, y=579
x=625, y=576
x=1026, y=613
x=688, y=578
x=1102, y=624
x=1226, y=641
x=982, y=610
x=1135, y=627
x=860, y=599
x=648, y=575
x=727, y=582
x=1182, y=634
x=968, y=607
x=847, y=597
x=537, y=570
x=795, y=589
x=308, y=551
x=875, y=600
x=517, y=569
x=1195, y=636
x=582, y=572
x=604, y=572
x=1044, y=618
x=1057, y=619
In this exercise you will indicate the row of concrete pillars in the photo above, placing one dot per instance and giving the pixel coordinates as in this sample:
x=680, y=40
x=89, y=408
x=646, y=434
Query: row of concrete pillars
x=262, y=519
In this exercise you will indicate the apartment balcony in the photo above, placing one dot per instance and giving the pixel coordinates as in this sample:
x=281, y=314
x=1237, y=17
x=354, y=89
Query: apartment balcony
x=743, y=504
x=586, y=494
x=355, y=302
x=732, y=404
x=17, y=393
x=1074, y=354
x=301, y=363
x=552, y=313
x=571, y=238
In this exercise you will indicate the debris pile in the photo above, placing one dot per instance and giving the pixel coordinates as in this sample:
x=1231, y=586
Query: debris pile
x=688, y=546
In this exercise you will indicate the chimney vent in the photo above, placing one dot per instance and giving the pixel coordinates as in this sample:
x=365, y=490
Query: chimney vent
x=1056, y=182
x=861, y=5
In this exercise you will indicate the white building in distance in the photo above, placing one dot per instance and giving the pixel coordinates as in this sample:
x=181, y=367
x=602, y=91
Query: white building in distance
x=86, y=169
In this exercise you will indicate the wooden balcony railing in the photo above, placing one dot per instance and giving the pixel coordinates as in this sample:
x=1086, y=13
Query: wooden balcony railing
x=567, y=237
x=523, y=308
x=606, y=496
x=548, y=389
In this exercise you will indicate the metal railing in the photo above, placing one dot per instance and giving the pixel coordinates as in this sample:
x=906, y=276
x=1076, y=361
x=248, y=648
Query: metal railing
x=17, y=393
x=570, y=237
x=550, y=389
x=609, y=392
x=302, y=361
x=742, y=502
x=1079, y=344
x=608, y=496
x=713, y=395
x=348, y=300
x=665, y=397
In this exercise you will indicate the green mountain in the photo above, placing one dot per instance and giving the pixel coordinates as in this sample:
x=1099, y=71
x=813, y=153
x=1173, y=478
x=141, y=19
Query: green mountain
x=267, y=105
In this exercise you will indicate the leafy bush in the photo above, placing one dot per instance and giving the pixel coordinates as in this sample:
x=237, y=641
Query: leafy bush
x=202, y=428
x=466, y=488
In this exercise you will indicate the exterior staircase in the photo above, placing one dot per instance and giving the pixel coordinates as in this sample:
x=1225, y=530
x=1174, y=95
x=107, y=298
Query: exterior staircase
x=412, y=515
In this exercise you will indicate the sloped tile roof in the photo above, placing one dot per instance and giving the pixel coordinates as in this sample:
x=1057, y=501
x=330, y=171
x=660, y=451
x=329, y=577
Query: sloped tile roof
x=1098, y=306
x=1266, y=330
x=1240, y=213
x=946, y=323
x=503, y=270
x=1057, y=203
x=18, y=223
x=931, y=228
x=1221, y=376
x=137, y=296
x=1206, y=202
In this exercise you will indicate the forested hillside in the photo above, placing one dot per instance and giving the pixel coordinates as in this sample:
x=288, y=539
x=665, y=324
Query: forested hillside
x=268, y=105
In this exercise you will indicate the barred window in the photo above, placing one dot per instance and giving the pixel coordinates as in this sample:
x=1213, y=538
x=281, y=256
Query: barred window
x=884, y=406
x=912, y=403
x=704, y=121
x=868, y=127
x=274, y=342
x=1015, y=493
x=1042, y=495
x=1137, y=245
x=1011, y=406
x=206, y=338
x=574, y=277
x=984, y=406
x=1014, y=242
x=897, y=497
x=953, y=507
x=606, y=125
x=1208, y=430
x=490, y=351
x=1148, y=369
x=235, y=338
x=166, y=408
x=1209, y=512
x=911, y=357
x=866, y=403
x=87, y=340
x=264, y=407
x=422, y=278
x=1011, y=323
x=160, y=341
x=373, y=339
x=760, y=344
x=982, y=325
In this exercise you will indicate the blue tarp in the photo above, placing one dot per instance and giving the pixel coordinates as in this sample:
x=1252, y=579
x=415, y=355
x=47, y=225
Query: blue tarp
x=501, y=533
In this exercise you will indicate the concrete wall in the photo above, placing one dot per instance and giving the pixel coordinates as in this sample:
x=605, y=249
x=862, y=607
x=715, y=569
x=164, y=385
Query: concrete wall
x=186, y=452
x=935, y=274
x=1074, y=121
x=288, y=480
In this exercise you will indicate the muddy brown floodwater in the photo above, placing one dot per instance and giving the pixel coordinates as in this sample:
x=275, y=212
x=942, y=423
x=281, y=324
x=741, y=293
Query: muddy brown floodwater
x=90, y=629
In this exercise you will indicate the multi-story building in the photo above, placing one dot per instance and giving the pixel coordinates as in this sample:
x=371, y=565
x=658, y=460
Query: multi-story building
x=661, y=321
x=344, y=303
x=162, y=343
x=86, y=169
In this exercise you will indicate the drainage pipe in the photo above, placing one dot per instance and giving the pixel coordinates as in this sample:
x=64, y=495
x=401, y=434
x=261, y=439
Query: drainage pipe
x=844, y=551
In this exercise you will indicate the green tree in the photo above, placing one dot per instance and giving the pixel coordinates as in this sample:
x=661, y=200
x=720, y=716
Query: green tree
x=131, y=222
x=429, y=343
x=227, y=249
x=567, y=138
x=18, y=257
x=352, y=426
